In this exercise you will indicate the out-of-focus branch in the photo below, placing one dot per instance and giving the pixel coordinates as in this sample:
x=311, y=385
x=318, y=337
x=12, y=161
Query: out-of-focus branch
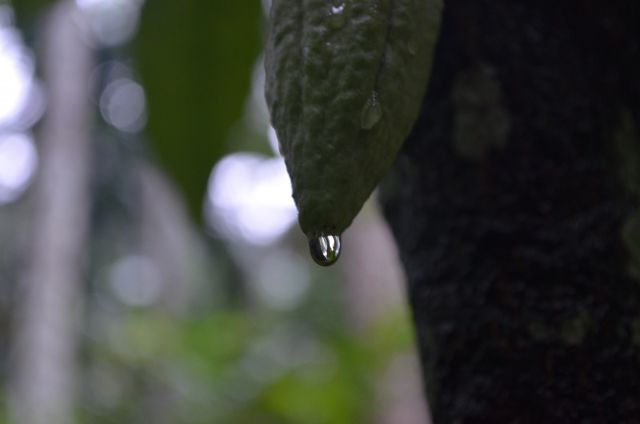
x=45, y=329
x=375, y=288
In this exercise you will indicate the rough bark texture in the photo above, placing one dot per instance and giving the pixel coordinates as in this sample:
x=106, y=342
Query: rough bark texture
x=513, y=206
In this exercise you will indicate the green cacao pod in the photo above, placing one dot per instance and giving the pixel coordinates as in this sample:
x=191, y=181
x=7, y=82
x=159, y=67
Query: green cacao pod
x=344, y=84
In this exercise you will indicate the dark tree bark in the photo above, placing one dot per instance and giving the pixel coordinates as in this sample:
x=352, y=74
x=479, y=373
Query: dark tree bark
x=515, y=207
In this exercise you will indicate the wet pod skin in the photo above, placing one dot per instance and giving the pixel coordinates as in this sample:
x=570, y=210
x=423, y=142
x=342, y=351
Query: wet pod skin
x=344, y=84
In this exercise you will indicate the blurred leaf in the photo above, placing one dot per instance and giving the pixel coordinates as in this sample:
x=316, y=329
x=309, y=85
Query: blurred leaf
x=334, y=388
x=27, y=11
x=390, y=335
x=217, y=339
x=318, y=397
x=196, y=59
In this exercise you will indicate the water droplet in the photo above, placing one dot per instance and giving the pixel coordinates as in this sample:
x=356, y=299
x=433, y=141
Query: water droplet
x=337, y=17
x=325, y=250
x=371, y=113
x=338, y=8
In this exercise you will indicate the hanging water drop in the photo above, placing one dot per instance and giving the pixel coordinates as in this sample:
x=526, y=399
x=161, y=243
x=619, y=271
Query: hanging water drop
x=338, y=8
x=325, y=250
x=337, y=17
x=371, y=113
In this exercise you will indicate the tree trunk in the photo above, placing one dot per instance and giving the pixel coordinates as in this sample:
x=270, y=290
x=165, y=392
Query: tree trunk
x=514, y=204
x=43, y=363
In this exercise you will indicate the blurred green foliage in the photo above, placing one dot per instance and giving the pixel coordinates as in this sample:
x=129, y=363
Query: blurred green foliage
x=28, y=11
x=228, y=368
x=196, y=59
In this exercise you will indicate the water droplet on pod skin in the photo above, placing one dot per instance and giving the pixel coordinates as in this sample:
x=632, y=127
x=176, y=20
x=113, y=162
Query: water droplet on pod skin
x=371, y=113
x=339, y=8
x=325, y=249
x=337, y=17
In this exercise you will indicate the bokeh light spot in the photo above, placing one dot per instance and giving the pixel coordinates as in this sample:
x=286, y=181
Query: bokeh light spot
x=135, y=281
x=112, y=22
x=123, y=105
x=250, y=198
x=18, y=161
x=16, y=71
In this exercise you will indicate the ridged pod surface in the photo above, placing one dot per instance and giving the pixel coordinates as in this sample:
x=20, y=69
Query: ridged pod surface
x=344, y=84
